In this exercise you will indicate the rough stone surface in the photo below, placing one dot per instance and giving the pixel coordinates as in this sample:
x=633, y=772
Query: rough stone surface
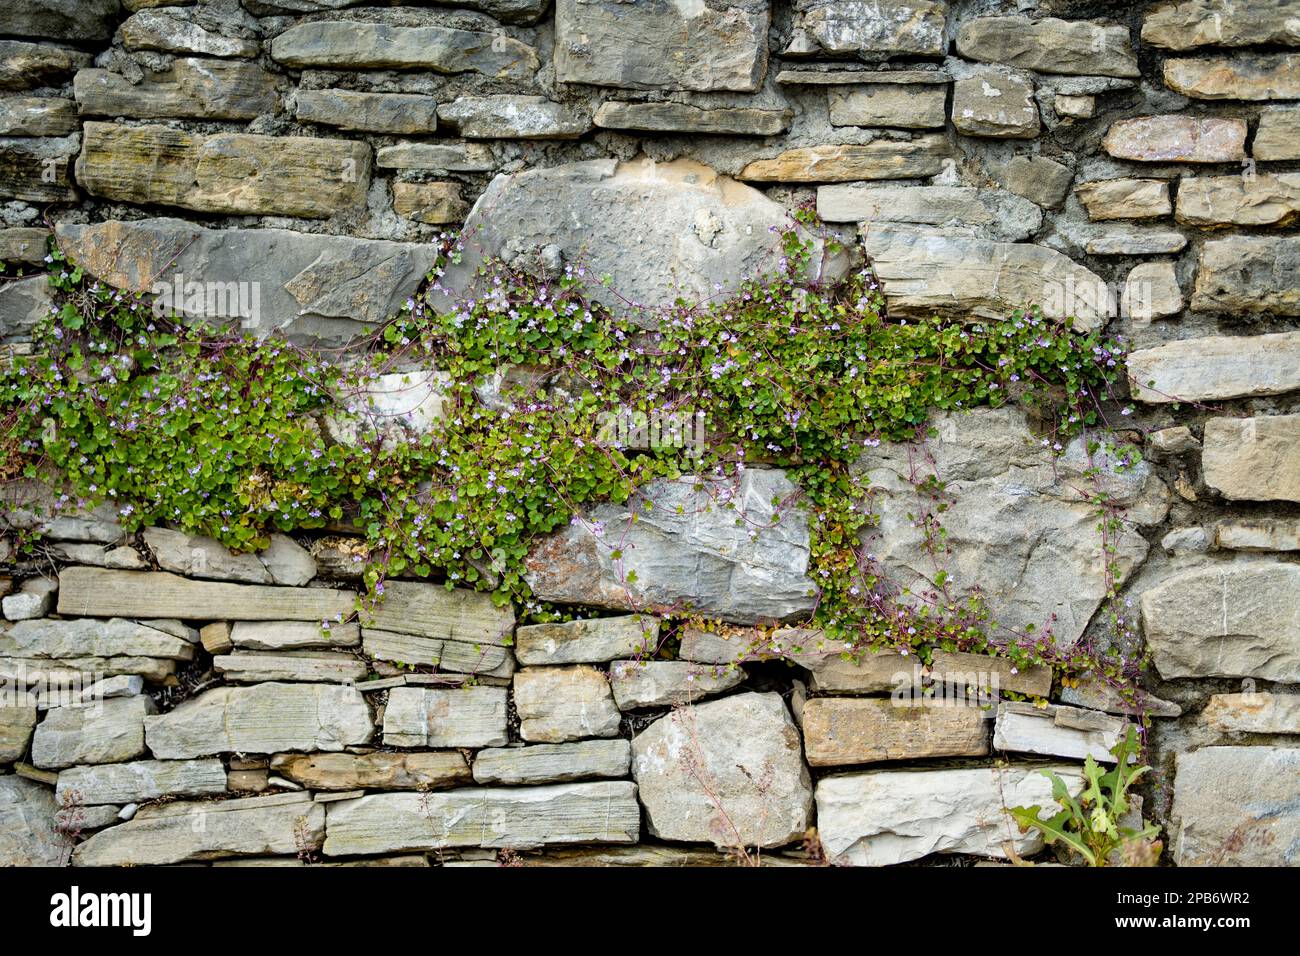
x=374, y=771
x=455, y=656
x=684, y=118
x=596, y=812
x=237, y=173
x=74, y=21
x=994, y=213
x=102, y=732
x=460, y=717
x=262, y=719
x=432, y=203
x=1177, y=139
x=28, y=836
x=55, y=639
x=36, y=116
x=166, y=31
x=553, y=763
x=1038, y=179
x=1261, y=200
x=503, y=116
x=984, y=672
x=1258, y=534
x=1264, y=76
x=925, y=270
x=1235, y=806
x=1239, y=619
x=36, y=169
x=995, y=103
x=431, y=610
x=374, y=112
x=900, y=105
x=192, y=87
x=1278, y=135
x=1216, y=367
x=176, y=832
x=1018, y=520
x=743, y=748
x=592, y=641
x=1151, y=291
x=311, y=287
x=1255, y=459
x=556, y=704
x=894, y=816
x=437, y=157
x=102, y=593
x=1250, y=274
x=342, y=44
x=1126, y=198
x=686, y=551
x=715, y=45
x=849, y=730
x=1057, y=732
x=16, y=724
x=140, y=780
x=870, y=27
x=1050, y=45
x=667, y=683
x=1253, y=713
x=291, y=635
x=881, y=159
x=24, y=65
x=663, y=229
x=1188, y=24
x=251, y=667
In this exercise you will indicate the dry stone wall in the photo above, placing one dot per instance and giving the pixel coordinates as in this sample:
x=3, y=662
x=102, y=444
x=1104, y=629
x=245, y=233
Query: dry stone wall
x=1136, y=166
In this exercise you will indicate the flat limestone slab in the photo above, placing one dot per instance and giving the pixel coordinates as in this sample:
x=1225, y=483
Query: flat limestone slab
x=97, y=592
x=600, y=812
x=430, y=610
x=849, y=730
x=177, y=832
x=139, y=781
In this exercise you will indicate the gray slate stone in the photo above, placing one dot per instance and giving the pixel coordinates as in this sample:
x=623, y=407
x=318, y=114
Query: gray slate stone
x=312, y=288
x=715, y=45
x=292, y=635
x=62, y=639
x=504, y=116
x=107, y=731
x=374, y=112
x=556, y=704
x=455, y=656
x=37, y=116
x=591, y=641
x=1049, y=45
x=684, y=118
x=69, y=21
x=1068, y=732
x=1215, y=367
x=192, y=87
x=996, y=103
x=140, y=780
x=1235, y=619
x=748, y=750
x=170, y=32
x=553, y=763
x=431, y=610
x=17, y=721
x=287, y=823
x=262, y=719
x=1253, y=459
x=458, y=717
x=687, y=551
x=870, y=28
x=668, y=683
x=252, y=667
x=1236, y=806
x=994, y=213
x=28, y=834
x=597, y=812
x=23, y=304
x=1251, y=274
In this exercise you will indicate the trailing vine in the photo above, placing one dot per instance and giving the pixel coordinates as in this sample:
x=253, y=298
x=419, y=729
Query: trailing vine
x=216, y=433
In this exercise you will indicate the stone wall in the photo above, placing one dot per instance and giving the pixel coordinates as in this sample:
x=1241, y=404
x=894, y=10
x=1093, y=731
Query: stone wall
x=1136, y=166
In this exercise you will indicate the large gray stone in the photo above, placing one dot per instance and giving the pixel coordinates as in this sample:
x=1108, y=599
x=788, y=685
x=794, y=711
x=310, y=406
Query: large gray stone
x=1278, y=135
x=925, y=270
x=1187, y=24
x=995, y=102
x=96, y=592
x=686, y=551
x=599, y=812
x=456, y=717
x=72, y=21
x=24, y=65
x=350, y=45
x=705, y=45
x=1216, y=367
x=1236, y=806
x=1253, y=459
x=994, y=213
x=64, y=639
x=1251, y=274
x=661, y=230
x=106, y=731
x=37, y=116
x=139, y=781
x=591, y=641
x=17, y=721
x=23, y=304
x=1263, y=76
x=376, y=112
x=1235, y=619
x=553, y=763
x=1049, y=45
x=1020, y=526
x=872, y=29
x=1253, y=712
x=289, y=823
x=503, y=116
x=894, y=816
x=1069, y=732
x=374, y=771
x=262, y=719
x=668, y=683
x=556, y=704
x=172, y=32
x=728, y=772
x=190, y=88
x=37, y=169
x=252, y=667
x=455, y=656
x=1260, y=200
x=28, y=833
